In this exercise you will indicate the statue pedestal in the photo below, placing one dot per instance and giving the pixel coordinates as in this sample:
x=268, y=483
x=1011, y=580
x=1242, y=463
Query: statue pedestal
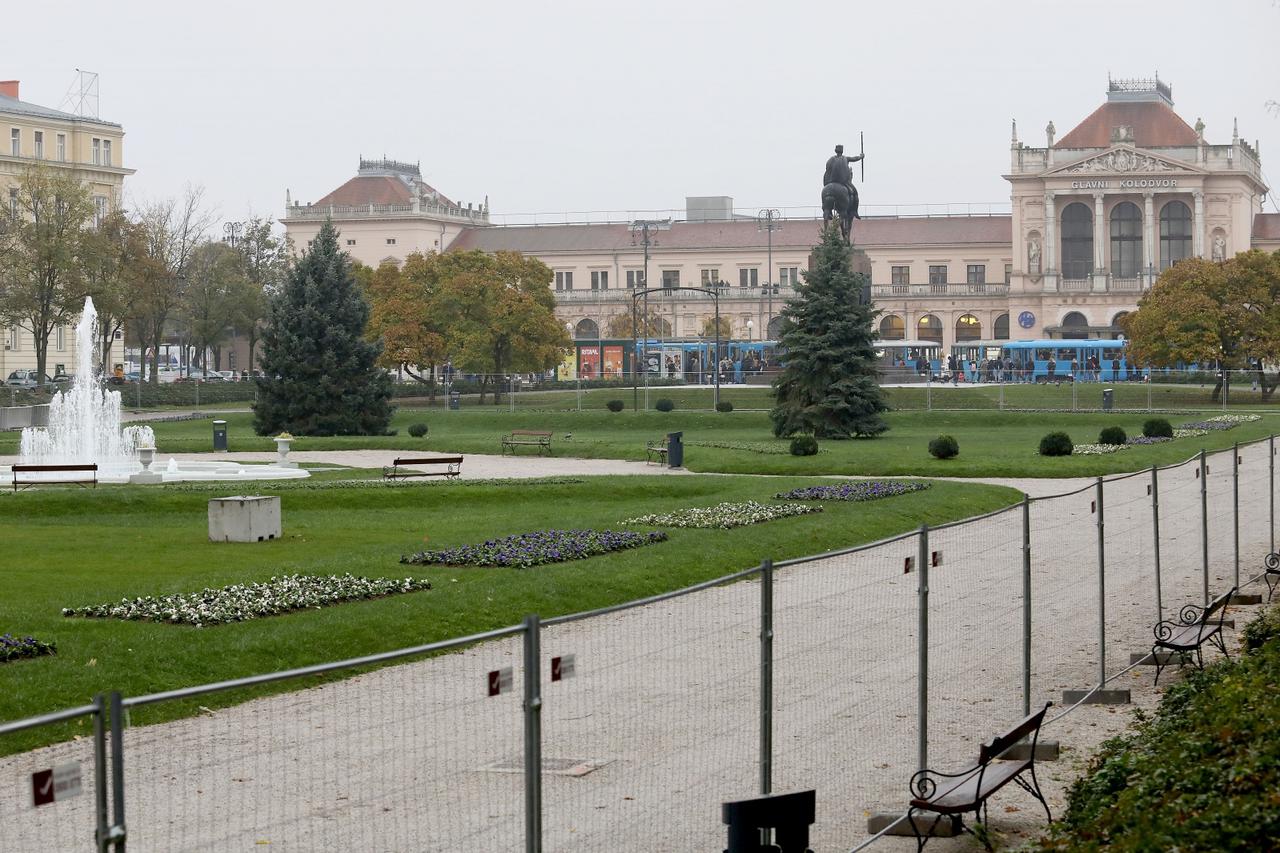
x=859, y=263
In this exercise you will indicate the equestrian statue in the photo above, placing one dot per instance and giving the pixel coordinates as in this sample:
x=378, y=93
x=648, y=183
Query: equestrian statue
x=839, y=195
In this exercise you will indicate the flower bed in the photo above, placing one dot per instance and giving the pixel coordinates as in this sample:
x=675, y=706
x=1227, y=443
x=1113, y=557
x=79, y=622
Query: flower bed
x=724, y=515
x=769, y=449
x=858, y=490
x=1184, y=432
x=1219, y=422
x=241, y=602
x=1149, y=439
x=1095, y=449
x=537, y=548
x=16, y=648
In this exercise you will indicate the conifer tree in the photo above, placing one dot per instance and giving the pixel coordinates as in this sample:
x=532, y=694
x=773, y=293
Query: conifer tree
x=829, y=387
x=320, y=376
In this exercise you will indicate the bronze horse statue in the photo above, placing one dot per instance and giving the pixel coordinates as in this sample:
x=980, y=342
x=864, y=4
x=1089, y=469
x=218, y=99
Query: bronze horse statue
x=838, y=198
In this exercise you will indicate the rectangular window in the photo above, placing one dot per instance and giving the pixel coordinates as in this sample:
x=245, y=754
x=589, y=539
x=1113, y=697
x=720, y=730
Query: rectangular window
x=39, y=144
x=15, y=142
x=671, y=278
x=351, y=242
x=391, y=241
x=62, y=147
x=97, y=151
x=12, y=342
x=710, y=277
x=599, y=279
x=977, y=274
x=99, y=209
x=901, y=276
x=749, y=277
x=106, y=152
x=564, y=281
x=1008, y=273
x=635, y=279
x=13, y=202
x=789, y=276
x=937, y=274
x=62, y=339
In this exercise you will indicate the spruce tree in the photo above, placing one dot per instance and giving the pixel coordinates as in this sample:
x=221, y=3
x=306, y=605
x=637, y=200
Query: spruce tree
x=829, y=386
x=320, y=376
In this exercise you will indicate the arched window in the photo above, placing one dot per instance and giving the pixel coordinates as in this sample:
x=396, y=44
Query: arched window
x=1175, y=234
x=1126, y=240
x=1077, y=241
x=1001, y=332
x=1074, y=325
x=892, y=328
x=968, y=328
x=1120, y=315
x=586, y=330
x=929, y=328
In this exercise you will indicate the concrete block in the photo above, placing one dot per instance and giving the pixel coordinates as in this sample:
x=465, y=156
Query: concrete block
x=1046, y=750
x=244, y=518
x=1099, y=697
x=946, y=827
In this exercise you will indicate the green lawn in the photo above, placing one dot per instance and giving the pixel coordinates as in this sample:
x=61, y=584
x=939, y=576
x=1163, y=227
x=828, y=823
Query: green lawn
x=74, y=547
x=992, y=444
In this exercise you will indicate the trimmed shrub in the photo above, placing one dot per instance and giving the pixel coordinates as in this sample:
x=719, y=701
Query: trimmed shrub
x=1157, y=428
x=1113, y=435
x=724, y=406
x=1056, y=444
x=804, y=445
x=944, y=447
x=664, y=405
x=417, y=430
x=614, y=405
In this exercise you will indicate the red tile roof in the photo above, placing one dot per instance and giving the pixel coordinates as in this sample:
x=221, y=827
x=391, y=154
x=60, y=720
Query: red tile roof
x=1155, y=125
x=1266, y=226
x=369, y=189
x=793, y=234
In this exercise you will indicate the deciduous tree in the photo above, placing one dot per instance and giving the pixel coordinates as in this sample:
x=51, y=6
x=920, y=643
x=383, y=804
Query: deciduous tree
x=112, y=264
x=648, y=324
x=404, y=317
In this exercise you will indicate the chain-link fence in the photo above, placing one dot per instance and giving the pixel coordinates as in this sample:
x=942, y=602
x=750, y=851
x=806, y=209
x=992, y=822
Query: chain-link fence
x=626, y=728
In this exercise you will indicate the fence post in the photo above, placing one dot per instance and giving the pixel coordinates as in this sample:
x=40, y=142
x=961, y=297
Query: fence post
x=1235, y=508
x=1026, y=604
x=1102, y=589
x=579, y=393
x=1271, y=491
x=1204, y=525
x=117, y=834
x=766, y=677
x=928, y=390
x=532, y=736
x=1155, y=526
x=922, y=674
x=100, y=834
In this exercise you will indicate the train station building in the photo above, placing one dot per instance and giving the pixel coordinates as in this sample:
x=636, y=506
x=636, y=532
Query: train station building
x=1096, y=214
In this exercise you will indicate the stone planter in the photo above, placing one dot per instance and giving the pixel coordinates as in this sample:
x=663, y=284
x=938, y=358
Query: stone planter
x=282, y=448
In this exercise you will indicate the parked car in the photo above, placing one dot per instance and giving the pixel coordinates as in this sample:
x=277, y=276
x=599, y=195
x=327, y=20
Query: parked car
x=63, y=379
x=25, y=378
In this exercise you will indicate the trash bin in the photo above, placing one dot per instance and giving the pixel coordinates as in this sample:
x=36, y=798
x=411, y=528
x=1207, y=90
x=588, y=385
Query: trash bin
x=1107, y=395
x=455, y=400
x=219, y=435
x=675, y=450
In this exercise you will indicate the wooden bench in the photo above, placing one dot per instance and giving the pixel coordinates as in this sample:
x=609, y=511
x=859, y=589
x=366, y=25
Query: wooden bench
x=398, y=471
x=88, y=475
x=526, y=438
x=655, y=452
x=955, y=794
x=1187, y=636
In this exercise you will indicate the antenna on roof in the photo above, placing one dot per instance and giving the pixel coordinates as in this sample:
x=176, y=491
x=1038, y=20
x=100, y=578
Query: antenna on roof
x=82, y=95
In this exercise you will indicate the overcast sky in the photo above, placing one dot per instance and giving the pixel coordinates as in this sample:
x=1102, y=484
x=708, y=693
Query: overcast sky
x=554, y=106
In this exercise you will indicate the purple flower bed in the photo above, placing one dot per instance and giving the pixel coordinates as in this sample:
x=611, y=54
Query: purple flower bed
x=1148, y=439
x=15, y=648
x=534, y=549
x=859, y=490
x=1210, y=425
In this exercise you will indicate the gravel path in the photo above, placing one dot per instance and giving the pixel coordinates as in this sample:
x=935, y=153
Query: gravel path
x=658, y=724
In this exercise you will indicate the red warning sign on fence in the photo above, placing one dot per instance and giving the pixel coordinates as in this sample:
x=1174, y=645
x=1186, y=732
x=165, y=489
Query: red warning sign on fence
x=500, y=681
x=55, y=784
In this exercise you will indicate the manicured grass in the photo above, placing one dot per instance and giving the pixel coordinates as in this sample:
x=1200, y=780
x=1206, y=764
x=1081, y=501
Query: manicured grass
x=992, y=444
x=66, y=547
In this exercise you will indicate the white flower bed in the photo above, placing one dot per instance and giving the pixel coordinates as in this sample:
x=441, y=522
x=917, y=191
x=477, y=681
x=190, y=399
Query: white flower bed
x=725, y=515
x=1180, y=432
x=1096, y=449
x=1235, y=419
x=241, y=602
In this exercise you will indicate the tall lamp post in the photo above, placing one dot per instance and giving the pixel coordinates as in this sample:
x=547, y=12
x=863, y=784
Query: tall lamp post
x=769, y=223
x=715, y=295
x=232, y=231
x=645, y=227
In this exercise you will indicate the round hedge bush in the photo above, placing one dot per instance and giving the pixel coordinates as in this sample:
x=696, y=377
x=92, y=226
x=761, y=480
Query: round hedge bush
x=1056, y=444
x=1113, y=435
x=664, y=405
x=944, y=447
x=724, y=406
x=1157, y=428
x=804, y=445
x=615, y=405
x=417, y=430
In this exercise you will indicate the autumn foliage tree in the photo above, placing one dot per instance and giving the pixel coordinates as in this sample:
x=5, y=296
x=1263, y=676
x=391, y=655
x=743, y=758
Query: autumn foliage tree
x=645, y=324
x=1210, y=313
x=404, y=318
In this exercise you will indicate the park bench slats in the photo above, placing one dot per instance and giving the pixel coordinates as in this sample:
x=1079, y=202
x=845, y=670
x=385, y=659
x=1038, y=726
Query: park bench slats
x=655, y=451
x=517, y=438
x=397, y=470
x=21, y=482
x=1187, y=636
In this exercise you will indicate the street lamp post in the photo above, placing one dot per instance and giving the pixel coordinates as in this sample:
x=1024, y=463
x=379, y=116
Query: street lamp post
x=577, y=373
x=750, y=337
x=232, y=231
x=715, y=295
x=770, y=223
x=644, y=226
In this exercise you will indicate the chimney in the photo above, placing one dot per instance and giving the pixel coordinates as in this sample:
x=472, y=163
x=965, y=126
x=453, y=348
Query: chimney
x=10, y=88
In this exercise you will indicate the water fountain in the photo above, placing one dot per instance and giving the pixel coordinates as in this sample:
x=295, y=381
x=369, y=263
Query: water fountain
x=84, y=426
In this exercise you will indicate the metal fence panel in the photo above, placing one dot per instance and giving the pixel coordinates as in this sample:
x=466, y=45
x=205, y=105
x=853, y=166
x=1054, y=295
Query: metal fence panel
x=1181, y=565
x=1130, y=568
x=70, y=820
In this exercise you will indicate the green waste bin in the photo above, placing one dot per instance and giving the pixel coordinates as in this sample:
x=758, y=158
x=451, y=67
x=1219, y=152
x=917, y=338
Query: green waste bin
x=455, y=400
x=219, y=435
